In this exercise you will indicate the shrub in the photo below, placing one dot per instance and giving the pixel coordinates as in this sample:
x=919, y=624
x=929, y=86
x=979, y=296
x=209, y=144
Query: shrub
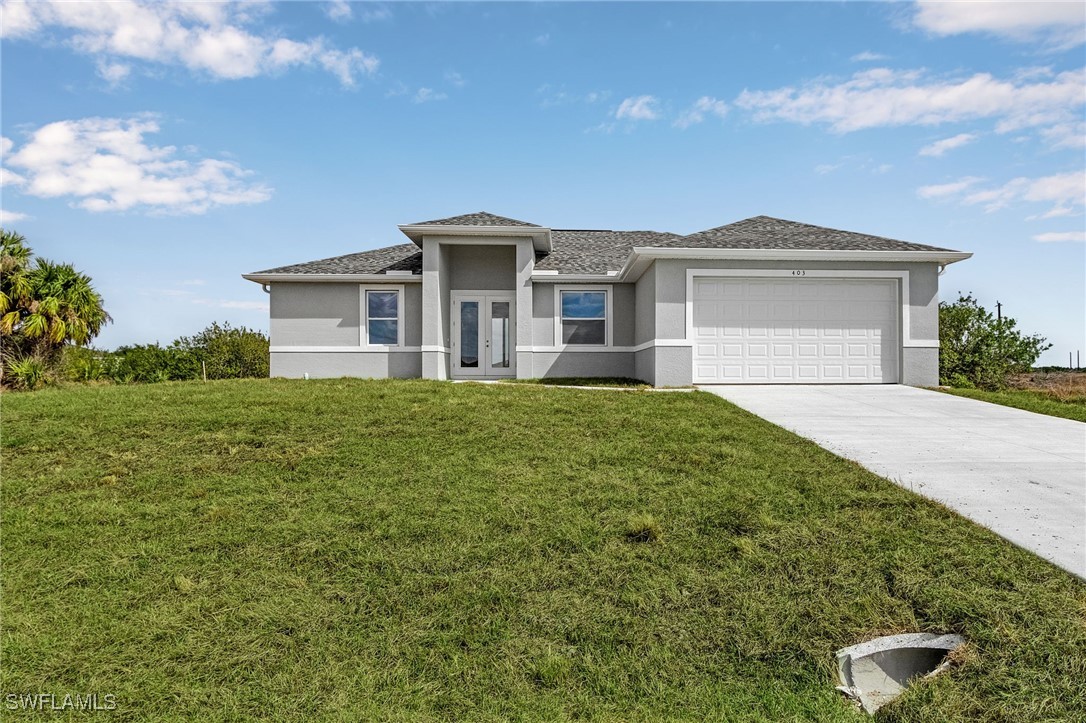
x=978, y=350
x=85, y=364
x=151, y=363
x=28, y=373
x=228, y=352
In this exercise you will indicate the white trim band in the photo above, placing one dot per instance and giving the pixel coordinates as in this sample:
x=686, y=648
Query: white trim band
x=345, y=349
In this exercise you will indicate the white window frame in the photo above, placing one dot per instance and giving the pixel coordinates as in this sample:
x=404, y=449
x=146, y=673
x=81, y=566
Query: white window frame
x=607, y=314
x=363, y=300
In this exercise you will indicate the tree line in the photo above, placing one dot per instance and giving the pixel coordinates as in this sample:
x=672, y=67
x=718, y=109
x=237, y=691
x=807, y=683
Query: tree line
x=50, y=313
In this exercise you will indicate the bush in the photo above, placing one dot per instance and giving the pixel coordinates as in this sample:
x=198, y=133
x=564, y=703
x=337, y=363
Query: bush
x=151, y=363
x=229, y=353
x=28, y=373
x=85, y=364
x=978, y=350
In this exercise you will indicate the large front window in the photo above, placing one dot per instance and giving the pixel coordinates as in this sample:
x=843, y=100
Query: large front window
x=583, y=317
x=382, y=318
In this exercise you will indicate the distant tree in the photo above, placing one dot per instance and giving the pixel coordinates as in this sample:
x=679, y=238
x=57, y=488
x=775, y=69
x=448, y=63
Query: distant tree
x=978, y=350
x=43, y=306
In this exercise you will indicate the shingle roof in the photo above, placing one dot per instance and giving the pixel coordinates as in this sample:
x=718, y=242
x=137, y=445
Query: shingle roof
x=595, y=252
x=765, y=232
x=482, y=218
x=405, y=257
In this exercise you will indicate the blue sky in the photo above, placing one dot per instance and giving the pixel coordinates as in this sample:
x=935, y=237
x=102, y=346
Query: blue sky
x=165, y=149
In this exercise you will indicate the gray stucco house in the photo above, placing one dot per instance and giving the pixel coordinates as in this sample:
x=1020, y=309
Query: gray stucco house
x=760, y=301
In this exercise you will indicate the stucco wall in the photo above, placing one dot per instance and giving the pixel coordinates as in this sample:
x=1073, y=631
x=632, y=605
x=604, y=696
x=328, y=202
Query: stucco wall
x=482, y=267
x=645, y=306
x=314, y=315
x=583, y=364
x=376, y=365
x=543, y=314
x=331, y=314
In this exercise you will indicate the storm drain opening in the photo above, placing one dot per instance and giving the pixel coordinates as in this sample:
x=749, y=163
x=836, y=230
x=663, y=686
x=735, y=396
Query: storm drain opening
x=877, y=671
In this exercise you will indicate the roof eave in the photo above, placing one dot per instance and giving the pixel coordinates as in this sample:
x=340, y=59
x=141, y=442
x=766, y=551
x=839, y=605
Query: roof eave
x=541, y=237
x=938, y=257
x=262, y=278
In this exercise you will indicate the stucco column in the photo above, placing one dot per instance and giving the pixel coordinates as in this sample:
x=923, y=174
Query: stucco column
x=434, y=365
x=524, y=268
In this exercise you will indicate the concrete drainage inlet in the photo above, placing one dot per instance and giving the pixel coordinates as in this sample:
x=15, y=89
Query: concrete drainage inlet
x=876, y=672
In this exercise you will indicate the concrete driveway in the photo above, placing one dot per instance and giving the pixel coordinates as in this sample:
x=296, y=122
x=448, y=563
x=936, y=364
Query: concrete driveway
x=1020, y=474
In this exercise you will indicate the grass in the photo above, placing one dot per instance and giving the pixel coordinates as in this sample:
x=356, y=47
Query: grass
x=1032, y=400
x=412, y=550
x=584, y=382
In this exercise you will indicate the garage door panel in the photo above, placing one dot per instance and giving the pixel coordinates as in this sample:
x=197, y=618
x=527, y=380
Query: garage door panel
x=795, y=330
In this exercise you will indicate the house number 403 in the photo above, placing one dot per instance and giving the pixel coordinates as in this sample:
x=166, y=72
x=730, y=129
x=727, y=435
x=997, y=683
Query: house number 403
x=799, y=272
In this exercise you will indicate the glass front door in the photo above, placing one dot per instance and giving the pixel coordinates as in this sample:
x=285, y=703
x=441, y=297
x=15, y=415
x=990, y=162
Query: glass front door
x=483, y=335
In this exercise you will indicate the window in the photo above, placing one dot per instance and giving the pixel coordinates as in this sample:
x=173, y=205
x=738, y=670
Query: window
x=583, y=316
x=383, y=317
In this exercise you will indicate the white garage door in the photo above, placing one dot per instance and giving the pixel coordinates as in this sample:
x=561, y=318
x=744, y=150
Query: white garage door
x=799, y=331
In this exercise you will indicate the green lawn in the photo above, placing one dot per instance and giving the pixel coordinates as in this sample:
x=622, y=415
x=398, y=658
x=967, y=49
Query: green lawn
x=1032, y=400
x=411, y=550
x=584, y=382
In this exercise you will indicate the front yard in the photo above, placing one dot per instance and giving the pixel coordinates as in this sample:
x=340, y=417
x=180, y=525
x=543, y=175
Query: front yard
x=417, y=550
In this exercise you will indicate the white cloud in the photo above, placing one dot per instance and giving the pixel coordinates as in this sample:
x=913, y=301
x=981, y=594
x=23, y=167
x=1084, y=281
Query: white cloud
x=867, y=57
x=824, y=168
x=1066, y=135
x=1057, y=236
x=943, y=190
x=113, y=73
x=7, y=217
x=426, y=95
x=370, y=12
x=192, y=282
x=1064, y=191
x=542, y=40
x=10, y=178
x=338, y=11
x=5, y=145
x=104, y=164
x=1058, y=24
x=642, y=107
x=221, y=40
x=938, y=148
x=696, y=113
x=455, y=79
x=881, y=97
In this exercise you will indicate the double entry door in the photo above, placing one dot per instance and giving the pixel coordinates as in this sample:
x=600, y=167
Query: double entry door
x=483, y=334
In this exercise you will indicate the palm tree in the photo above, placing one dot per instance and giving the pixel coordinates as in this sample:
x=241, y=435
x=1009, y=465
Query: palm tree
x=43, y=305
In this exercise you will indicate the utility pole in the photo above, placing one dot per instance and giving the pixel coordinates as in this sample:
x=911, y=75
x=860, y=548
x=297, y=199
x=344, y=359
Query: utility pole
x=999, y=312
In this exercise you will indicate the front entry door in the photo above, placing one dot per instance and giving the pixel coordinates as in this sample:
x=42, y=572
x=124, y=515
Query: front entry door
x=483, y=335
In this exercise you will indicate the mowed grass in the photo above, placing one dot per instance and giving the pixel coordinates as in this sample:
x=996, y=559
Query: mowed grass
x=583, y=382
x=411, y=550
x=1031, y=400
